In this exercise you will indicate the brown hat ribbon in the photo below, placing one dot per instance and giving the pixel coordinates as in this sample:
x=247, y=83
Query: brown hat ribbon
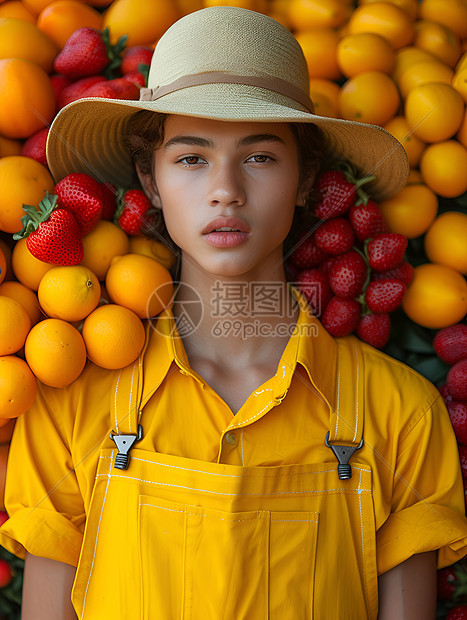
x=277, y=85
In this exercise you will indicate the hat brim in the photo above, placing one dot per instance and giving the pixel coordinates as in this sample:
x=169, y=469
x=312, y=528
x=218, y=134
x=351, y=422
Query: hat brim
x=88, y=134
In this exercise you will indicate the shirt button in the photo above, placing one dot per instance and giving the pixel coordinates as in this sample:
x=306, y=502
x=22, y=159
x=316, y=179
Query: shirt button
x=231, y=439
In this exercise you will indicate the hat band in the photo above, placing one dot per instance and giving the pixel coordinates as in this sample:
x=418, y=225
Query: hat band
x=277, y=85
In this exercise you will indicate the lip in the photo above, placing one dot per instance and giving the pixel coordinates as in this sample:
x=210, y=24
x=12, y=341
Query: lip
x=226, y=222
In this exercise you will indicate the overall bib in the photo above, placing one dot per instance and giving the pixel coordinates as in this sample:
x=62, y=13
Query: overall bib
x=171, y=538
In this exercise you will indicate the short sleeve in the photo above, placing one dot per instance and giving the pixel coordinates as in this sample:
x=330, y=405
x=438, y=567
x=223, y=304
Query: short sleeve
x=42, y=495
x=428, y=506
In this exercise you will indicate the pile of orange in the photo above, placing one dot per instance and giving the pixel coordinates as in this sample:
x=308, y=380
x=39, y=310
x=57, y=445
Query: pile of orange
x=400, y=64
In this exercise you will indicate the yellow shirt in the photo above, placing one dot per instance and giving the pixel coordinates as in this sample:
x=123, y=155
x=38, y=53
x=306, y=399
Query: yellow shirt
x=408, y=442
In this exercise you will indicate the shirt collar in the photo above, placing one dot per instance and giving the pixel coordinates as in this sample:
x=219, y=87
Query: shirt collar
x=310, y=345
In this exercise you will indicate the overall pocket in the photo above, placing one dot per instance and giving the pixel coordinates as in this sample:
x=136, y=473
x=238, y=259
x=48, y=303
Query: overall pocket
x=203, y=564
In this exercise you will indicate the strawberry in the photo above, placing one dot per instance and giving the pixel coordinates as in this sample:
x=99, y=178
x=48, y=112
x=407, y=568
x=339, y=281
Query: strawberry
x=109, y=200
x=59, y=83
x=384, y=295
x=463, y=459
x=456, y=380
x=337, y=194
x=124, y=89
x=458, y=413
x=347, y=274
x=443, y=390
x=374, y=329
x=335, y=236
x=88, y=52
x=446, y=578
x=367, y=220
x=136, y=78
x=457, y=613
x=134, y=56
x=77, y=90
x=403, y=271
x=131, y=213
x=34, y=146
x=341, y=316
x=450, y=343
x=307, y=254
x=100, y=89
x=386, y=250
x=314, y=285
x=52, y=233
x=81, y=195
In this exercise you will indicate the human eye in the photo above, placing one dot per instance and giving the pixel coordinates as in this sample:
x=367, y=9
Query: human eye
x=191, y=160
x=260, y=158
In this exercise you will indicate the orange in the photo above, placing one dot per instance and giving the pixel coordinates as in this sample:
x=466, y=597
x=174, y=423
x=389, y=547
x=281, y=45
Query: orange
x=415, y=177
x=462, y=133
x=23, y=181
x=187, y=6
x=462, y=62
x=36, y=6
x=278, y=10
x=26, y=267
x=424, y=72
x=25, y=296
x=27, y=99
x=320, y=50
x=55, y=352
x=9, y=147
x=306, y=14
x=413, y=146
x=3, y=266
x=60, y=19
x=21, y=39
x=253, y=5
x=323, y=106
x=139, y=283
x=325, y=96
x=370, y=97
x=436, y=297
x=459, y=81
x=444, y=168
x=365, y=51
x=101, y=245
x=409, y=6
x=16, y=9
x=434, y=111
x=446, y=240
x=385, y=19
x=406, y=57
x=144, y=21
x=3, y=463
x=154, y=249
x=69, y=292
x=411, y=211
x=449, y=13
x=6, y=250
x=114, y=336
x=17, y=386
x=14, y=325
x=438, y=40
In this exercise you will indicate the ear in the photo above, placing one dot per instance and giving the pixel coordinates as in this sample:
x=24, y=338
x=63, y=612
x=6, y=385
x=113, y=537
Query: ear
x=149, y=187
x=300, y=199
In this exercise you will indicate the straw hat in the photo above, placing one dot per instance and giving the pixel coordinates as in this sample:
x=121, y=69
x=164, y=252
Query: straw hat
x=221, y=63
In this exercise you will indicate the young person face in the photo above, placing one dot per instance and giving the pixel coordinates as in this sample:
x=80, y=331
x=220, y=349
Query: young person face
x=243, y=176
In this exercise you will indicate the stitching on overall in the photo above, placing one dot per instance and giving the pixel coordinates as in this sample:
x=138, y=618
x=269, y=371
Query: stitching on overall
x=363, y=541
x=179, y=486
x=97, y=538
x=338, y=394
x=241, y=447
x=357, y=386
x=115, y=400
x=161, y=507
x=130, y=407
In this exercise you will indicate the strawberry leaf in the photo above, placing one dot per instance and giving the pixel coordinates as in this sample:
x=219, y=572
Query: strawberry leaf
x=144, y=70
x=114, y=53
x=34, y=216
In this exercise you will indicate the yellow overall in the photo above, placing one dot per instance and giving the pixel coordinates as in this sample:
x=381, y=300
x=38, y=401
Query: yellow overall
x=173, y=538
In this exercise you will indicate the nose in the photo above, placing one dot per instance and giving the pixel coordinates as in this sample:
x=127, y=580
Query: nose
x=226, y=186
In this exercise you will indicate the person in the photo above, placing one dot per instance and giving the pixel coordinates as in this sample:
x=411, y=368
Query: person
x=256, y=467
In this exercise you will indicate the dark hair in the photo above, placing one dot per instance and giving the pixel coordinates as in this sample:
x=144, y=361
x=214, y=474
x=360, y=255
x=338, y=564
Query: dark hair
x=145, y=133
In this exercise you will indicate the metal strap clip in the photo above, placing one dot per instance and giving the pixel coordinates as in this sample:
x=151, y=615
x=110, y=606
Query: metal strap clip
x=343, y=455
x=124, y=444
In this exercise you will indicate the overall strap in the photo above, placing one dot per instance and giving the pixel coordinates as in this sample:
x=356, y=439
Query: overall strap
x=346, y=421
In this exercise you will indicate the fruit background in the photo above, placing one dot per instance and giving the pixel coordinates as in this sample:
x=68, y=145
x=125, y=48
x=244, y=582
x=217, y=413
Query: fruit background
x=72, y=262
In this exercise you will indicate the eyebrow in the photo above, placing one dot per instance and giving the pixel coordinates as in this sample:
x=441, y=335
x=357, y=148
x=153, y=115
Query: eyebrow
x=207, y=143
